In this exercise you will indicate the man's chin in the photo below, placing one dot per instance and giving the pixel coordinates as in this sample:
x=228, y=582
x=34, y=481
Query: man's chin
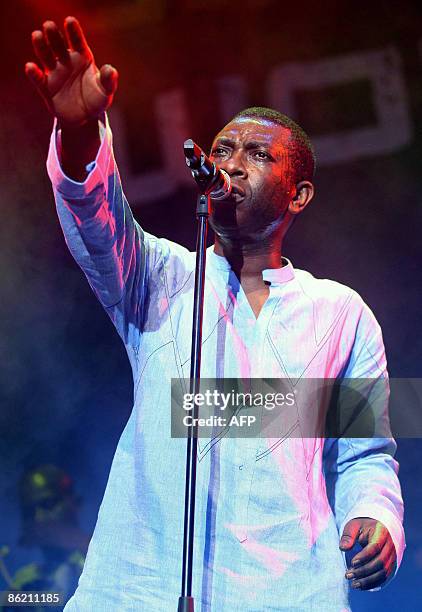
x=223, y=217
x=234, y=234
x=223, y=224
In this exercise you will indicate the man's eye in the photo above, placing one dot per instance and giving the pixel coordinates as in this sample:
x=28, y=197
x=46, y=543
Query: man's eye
x=261, y=155
x=219, y=152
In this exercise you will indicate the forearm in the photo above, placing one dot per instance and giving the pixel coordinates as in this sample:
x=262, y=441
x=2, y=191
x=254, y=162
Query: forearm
x=79, y=147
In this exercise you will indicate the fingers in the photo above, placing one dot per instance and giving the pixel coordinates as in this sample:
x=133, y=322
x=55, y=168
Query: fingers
x=37, y=78
x=371, y=582
x=34, y=73
x=108, y=79
x=375, y=562
x=350, y=533
x=381, y=561
x=56, y=41
x=75, y=36
x=43, y=51
x=50, y=46
x=374, y=546
x=371, y=579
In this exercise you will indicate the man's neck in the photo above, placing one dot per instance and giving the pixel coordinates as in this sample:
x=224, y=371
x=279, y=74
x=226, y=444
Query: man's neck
x=249, y=260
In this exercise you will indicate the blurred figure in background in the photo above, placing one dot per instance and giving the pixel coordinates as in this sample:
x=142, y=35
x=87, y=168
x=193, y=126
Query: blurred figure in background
x=49, y=509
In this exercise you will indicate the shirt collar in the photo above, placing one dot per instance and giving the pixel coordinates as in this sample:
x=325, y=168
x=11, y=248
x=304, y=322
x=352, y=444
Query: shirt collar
x=275, y=276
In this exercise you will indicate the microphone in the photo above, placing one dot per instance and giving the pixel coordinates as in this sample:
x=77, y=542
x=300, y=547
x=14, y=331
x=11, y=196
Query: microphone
x=211, y=179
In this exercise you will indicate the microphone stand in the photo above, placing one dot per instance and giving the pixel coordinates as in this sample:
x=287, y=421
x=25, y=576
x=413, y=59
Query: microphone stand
x=215, y=182
x=186, y=601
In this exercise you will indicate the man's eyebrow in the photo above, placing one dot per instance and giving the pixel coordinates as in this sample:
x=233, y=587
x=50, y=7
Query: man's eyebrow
x=251, y=144
x=229, y=142
x=254, y=144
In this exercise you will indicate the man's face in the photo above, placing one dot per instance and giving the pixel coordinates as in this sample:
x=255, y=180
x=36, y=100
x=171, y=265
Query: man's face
x=255, y=155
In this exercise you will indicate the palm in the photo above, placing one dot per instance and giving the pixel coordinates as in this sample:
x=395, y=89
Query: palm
x=75, y=90
x=71, y=84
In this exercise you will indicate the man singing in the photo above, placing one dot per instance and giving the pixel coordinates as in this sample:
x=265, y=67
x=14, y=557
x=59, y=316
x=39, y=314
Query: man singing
x=274, y=515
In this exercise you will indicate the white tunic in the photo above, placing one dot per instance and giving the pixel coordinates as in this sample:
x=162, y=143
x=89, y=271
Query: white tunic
x=266, y=535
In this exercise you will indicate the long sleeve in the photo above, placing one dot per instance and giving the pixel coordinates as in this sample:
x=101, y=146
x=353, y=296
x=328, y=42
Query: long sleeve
x=115, y=254
x=361, y=473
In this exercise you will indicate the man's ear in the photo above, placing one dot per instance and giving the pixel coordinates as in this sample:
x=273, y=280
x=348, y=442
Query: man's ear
x=303, y=194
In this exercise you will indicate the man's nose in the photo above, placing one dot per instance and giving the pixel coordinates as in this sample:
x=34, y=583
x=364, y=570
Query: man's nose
x=234, y=165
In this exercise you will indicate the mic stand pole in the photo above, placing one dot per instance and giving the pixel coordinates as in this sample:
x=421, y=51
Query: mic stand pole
x=186, y=601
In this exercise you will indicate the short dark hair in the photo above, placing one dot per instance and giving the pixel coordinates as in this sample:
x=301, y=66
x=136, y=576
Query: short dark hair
x=301, y=149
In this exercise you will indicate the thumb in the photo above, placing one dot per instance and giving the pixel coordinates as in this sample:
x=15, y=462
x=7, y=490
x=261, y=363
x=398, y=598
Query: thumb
x=108, y=79
x=350, y=533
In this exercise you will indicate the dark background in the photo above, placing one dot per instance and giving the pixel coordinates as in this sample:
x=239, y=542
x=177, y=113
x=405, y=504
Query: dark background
x=66, y=387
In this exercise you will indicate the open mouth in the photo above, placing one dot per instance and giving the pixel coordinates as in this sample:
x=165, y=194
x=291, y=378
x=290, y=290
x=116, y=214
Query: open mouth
x=237, y=193
x=237, y=190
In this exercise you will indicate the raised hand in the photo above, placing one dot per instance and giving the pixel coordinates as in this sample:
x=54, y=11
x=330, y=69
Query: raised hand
x=74, y=89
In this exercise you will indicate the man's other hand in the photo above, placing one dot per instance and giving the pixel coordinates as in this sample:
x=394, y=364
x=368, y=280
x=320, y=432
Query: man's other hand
x=375, y=563
x=74, y=89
